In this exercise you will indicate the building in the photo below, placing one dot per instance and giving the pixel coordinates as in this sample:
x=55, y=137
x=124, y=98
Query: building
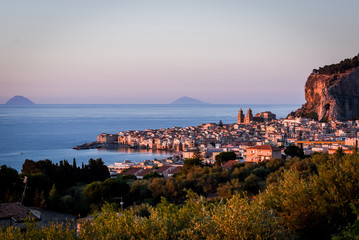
x=230, y=164
x=173, y=171
x=133, y=171
x=240, y=117
x=262, y=153
x=266, y=116
x=249, y=116
x=13, y=214
x=16, y=214
x=107, y=138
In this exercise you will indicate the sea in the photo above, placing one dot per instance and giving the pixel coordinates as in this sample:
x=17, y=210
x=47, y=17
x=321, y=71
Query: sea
x=41, y=131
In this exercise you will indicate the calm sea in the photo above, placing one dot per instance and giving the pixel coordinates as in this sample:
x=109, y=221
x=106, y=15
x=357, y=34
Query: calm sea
x=51, y=131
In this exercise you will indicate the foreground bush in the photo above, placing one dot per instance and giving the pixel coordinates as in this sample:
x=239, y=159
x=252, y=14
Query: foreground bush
x=309, y=200
x=197, y=219
x=53, y=231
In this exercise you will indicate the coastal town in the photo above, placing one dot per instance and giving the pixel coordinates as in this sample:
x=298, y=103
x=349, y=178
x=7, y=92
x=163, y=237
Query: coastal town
x=254, y=138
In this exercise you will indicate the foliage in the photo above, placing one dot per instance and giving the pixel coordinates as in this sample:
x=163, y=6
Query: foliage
x=311, y=115
x=54, y=231
x=153, y=174
x=293, y=151
x=10, y=184
x=44, y=175
x=352, y=230
x=341, y=67
x=306, y=198
x=191, y=162
x=224, y=157
x=196, y=219
x=317, y=202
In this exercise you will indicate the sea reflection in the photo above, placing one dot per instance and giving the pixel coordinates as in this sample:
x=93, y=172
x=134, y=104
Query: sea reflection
x=136, y=150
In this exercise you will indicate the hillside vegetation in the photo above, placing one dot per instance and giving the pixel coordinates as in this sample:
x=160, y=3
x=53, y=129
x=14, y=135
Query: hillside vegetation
x=312, y=198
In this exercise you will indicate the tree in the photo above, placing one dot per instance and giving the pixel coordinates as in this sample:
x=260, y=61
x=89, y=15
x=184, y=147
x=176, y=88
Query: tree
x=114, y=187
x=274, y=164
x=94, y=192
x=293, y=151
x=54, y=198
x=250, y=184
x=191, y=162
x=224, y=157
x=339, y=152
x=197, y=154
x=10, y=184
x=97, y=170
x=153, y=174
x=74, y=163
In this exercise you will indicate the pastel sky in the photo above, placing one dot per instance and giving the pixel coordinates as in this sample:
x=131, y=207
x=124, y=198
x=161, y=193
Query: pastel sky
x=150, y=51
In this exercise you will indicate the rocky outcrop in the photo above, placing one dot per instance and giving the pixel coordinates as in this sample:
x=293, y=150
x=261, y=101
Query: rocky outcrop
x=332, y=96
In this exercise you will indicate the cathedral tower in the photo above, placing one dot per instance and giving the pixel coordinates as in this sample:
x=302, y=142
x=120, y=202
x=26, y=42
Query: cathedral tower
x=240, y=118
x=249, y=116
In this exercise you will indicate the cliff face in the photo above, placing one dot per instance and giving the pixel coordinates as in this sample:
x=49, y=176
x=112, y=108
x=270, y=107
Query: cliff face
x=332, y=97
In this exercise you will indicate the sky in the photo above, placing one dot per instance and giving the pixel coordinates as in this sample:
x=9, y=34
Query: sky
x=130, y=51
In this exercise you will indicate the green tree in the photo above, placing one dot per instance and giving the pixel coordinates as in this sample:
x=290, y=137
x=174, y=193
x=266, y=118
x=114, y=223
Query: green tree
x=94, y=192
x=274, y=164
x=10, y=184
x=293, y=151
x=224, y=157
x=250, y=184
x=191, y=162
x=153, y=174
x=54, y=198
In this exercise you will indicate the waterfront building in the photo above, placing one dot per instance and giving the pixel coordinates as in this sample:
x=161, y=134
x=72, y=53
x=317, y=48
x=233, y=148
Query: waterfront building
x=107, y=138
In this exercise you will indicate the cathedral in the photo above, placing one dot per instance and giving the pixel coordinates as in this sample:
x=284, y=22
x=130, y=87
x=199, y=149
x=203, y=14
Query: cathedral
x=259, y=117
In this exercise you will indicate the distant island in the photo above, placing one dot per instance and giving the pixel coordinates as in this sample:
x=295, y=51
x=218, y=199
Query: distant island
x=20, y=100
x=188, y=100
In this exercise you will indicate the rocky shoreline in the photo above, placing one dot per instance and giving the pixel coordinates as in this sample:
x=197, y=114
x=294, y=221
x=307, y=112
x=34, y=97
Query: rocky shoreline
x=95, y=145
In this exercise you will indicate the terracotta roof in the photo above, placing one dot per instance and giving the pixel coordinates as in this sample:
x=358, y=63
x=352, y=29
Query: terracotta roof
x=146, y=171
x=163, y=169
x=175, y=170
x=16, y=211
x=132, y=171
x=264, y=147
x=229, y=164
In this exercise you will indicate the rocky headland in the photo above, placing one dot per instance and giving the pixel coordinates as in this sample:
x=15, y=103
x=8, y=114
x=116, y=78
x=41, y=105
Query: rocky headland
x=332, y=92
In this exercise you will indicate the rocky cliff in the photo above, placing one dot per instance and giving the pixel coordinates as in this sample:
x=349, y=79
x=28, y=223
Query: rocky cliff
x=332, y=96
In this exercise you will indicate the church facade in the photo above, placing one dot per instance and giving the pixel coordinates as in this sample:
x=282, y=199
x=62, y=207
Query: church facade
x=259, y=117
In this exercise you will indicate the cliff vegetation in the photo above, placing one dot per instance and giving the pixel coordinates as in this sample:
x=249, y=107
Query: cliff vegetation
x=341, y=67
